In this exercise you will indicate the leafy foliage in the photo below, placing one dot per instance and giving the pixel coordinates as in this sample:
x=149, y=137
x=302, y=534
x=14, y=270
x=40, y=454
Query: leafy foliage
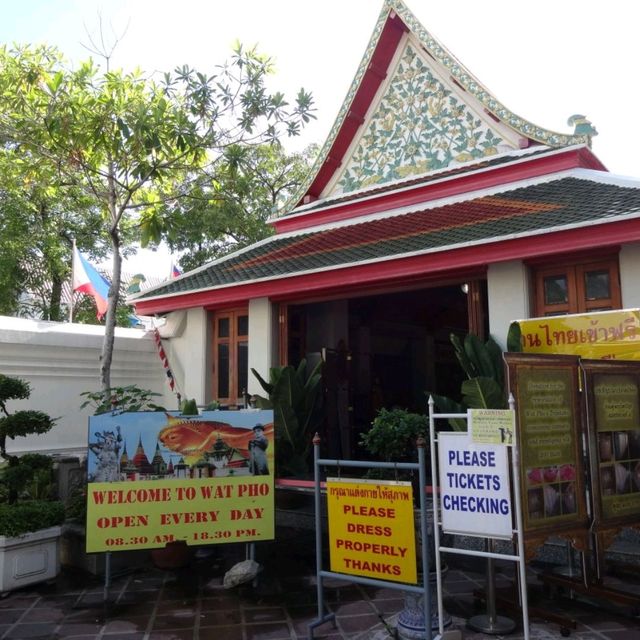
x=393, y=434
x=296, y=402
x=392, y=438
x=119, y=138
x=229, y=210
x=514, y=338
x=189, y=407
x=483, y=365
x=17, y=519
x=121, y=399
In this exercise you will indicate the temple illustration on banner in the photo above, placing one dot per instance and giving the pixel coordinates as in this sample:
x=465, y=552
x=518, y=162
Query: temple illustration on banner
x=222, y=460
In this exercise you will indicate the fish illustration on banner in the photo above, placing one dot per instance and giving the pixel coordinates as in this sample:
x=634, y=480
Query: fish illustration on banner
x=193, y=438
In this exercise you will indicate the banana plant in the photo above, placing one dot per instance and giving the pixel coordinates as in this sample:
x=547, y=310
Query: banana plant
x=482, y=363
x=295, y=399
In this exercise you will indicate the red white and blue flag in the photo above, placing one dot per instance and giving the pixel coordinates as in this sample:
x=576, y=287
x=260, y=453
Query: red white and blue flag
x=86, y=279
x=175, y=272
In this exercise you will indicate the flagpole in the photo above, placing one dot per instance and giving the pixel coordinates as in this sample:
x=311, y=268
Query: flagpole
x=73, y=266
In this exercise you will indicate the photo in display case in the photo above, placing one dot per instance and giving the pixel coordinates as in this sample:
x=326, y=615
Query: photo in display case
x=615, y=427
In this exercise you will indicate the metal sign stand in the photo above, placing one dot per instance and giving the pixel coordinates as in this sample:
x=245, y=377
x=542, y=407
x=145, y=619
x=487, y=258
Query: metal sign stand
x=490, y=623
x=423, y=589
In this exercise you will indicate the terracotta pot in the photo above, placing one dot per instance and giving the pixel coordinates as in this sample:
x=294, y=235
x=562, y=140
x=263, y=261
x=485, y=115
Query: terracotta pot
x=174, y=555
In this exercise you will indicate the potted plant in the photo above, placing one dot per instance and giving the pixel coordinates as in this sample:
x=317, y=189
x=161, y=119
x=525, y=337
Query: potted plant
x=392, y=438
x=29, y=518
x=189, y=407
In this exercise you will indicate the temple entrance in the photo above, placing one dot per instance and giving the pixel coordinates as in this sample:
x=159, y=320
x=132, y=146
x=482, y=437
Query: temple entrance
x=385, y=350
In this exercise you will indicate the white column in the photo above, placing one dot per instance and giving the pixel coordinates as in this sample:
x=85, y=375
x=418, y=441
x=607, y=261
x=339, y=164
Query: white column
x=508, y=292
x=262, y=341
x=629, y=275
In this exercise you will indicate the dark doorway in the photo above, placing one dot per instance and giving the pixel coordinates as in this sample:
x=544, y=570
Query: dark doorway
x=385, y=350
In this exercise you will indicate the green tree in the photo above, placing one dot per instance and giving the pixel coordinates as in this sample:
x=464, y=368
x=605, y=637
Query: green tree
x=36, y=221
x=229, y=210
x=119, y=137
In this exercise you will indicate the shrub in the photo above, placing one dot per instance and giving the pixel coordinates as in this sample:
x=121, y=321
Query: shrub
x=21, y=518
x=393, y=435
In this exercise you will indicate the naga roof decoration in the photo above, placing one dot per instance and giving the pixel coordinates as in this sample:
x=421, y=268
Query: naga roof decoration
x=429, y=112
x=564, y=201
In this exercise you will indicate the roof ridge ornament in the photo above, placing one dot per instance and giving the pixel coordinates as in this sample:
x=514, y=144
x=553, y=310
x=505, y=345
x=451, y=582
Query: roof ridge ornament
x=582, y=126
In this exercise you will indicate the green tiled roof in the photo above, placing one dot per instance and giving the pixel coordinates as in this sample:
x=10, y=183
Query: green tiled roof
x=528, y=210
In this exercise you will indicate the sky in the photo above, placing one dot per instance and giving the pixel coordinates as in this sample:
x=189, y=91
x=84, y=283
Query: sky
x=544, y=60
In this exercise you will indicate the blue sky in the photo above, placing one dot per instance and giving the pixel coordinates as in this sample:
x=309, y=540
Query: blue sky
x=545, y=60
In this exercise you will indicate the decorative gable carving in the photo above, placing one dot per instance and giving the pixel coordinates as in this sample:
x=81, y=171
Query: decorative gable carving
x=419, y=125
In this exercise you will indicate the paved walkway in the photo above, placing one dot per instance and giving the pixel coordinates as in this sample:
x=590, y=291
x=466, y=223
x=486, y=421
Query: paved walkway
x=149, y=604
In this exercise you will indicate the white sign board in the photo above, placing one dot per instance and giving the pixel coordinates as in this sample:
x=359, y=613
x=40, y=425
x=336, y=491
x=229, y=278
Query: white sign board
x=475, y=498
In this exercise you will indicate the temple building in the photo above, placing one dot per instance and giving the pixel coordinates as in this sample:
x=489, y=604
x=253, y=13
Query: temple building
x=140, y=460
x=431, y=209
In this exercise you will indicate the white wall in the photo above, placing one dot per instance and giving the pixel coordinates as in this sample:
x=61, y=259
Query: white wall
x=508, y=292
x=630, y=275
x=60, y=361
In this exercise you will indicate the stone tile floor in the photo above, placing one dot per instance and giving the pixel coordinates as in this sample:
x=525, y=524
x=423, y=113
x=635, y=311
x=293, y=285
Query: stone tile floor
x=145, y=603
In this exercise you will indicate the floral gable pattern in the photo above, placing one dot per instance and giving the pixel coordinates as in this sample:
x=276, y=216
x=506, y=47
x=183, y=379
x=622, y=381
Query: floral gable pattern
x=419, y=126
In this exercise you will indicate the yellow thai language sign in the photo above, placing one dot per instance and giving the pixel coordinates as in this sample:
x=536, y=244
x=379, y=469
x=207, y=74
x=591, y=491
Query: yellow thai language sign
x=156, y=477
x=604, y=335
x=371, y=529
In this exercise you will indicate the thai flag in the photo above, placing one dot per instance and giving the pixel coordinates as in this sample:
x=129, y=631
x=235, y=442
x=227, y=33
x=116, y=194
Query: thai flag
x=175, y=272
x=86, y=279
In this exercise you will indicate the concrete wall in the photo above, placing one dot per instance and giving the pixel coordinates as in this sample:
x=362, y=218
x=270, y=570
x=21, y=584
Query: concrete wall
x=60, y=361
x=508, y=293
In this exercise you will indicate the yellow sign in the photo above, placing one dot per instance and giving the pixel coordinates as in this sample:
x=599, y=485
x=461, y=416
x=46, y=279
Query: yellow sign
x=150, y=513
x=491, y=426
x=371, y=529
x=605, y=335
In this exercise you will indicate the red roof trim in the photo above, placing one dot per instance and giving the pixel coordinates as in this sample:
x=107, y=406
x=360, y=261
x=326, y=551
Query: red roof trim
x=385, y=49
x=455, y=185
x=388, y=272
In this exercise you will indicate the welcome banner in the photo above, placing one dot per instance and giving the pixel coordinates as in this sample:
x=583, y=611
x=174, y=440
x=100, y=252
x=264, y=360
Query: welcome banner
x=157, y=477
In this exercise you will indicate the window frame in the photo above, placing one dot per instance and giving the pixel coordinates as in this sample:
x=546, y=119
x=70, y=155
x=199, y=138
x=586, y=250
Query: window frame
x=233, y=340
x=575, y=273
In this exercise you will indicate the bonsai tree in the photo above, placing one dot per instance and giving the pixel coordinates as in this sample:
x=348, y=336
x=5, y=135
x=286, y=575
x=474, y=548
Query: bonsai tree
x=25, y=481
x=296, y=401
